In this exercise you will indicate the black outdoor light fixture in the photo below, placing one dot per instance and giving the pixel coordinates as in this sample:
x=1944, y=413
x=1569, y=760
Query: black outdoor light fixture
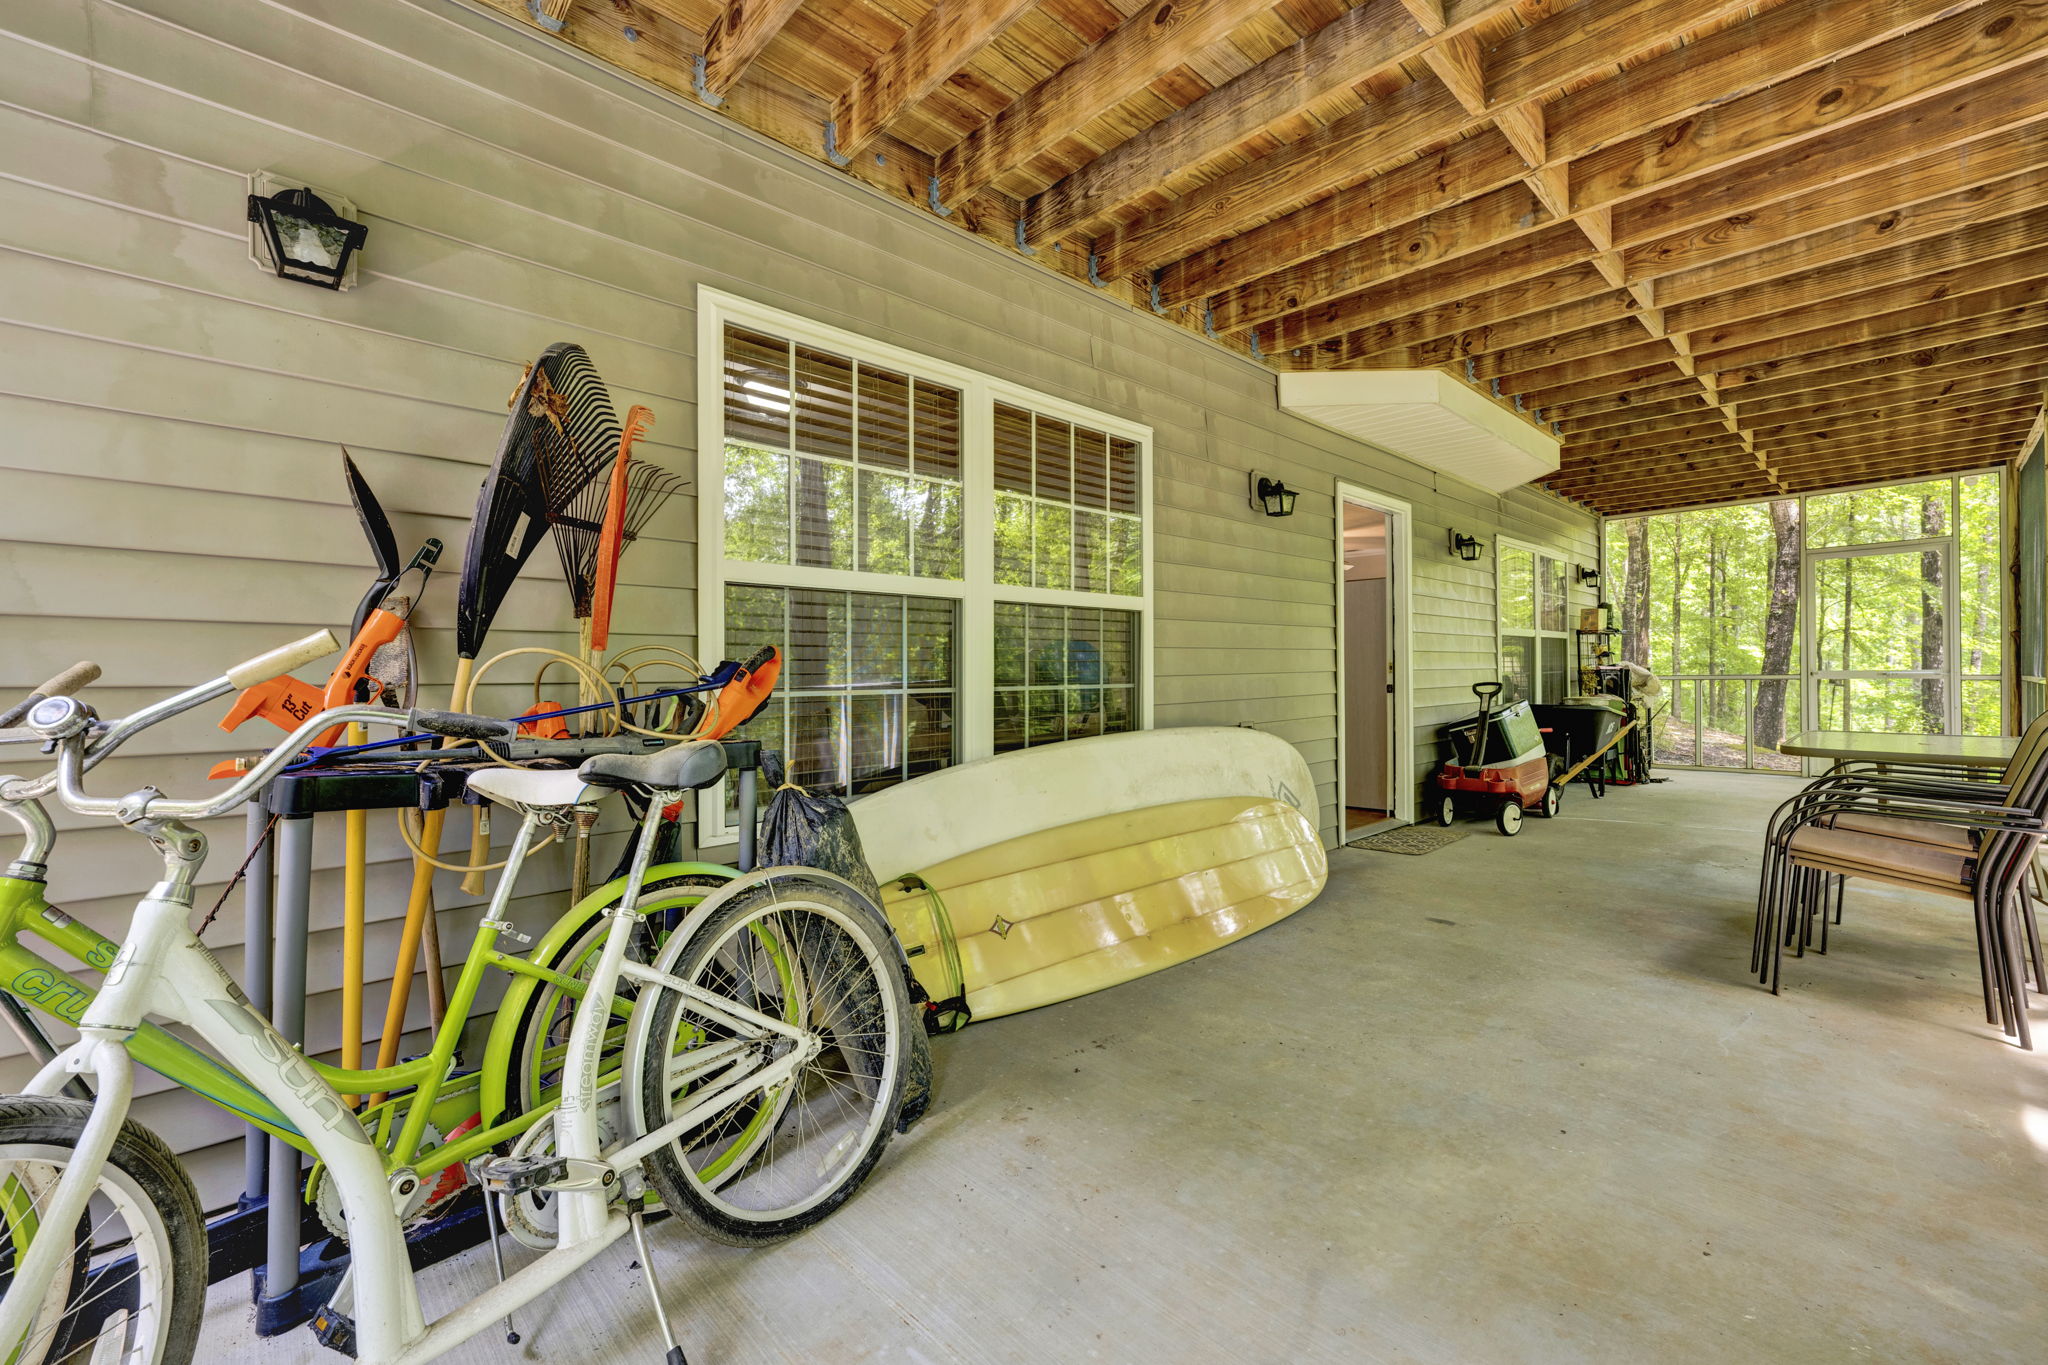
x=1272, y=497
x=304, y=238
x=1588, y=575
x=1465, y=547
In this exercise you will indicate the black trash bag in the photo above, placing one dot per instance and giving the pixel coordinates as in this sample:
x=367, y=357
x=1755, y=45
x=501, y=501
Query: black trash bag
x=802, y=828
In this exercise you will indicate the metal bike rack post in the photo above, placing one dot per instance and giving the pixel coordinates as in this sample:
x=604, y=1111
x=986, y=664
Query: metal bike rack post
x=256, y=900
x=288, y=1014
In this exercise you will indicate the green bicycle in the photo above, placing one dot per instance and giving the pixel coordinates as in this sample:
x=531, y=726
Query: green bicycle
x=729, y=1043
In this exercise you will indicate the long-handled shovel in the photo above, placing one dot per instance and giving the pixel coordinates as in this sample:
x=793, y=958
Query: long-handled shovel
x=559, y=437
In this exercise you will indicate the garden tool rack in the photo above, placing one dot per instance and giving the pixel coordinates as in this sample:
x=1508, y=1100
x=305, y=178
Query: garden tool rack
x=291, y=1284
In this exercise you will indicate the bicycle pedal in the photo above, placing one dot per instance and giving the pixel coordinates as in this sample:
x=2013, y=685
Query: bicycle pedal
x=517, y=1174
x=336, y=1331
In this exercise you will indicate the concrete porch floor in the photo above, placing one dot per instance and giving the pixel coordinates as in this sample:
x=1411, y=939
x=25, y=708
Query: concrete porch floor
x=1516, y=1100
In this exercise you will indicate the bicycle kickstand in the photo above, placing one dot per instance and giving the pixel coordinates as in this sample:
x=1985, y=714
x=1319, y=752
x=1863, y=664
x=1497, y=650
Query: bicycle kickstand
x=668, y=1333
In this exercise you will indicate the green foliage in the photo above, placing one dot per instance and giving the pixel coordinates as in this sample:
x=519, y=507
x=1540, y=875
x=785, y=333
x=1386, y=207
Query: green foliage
x=1709, y=608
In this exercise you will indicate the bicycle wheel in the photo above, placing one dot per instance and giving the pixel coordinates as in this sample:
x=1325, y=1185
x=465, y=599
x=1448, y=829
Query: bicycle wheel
x=810, y=953
x=135, y=1285
x=540, y=1040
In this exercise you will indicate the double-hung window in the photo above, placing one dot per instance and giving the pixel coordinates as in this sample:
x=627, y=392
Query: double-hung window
x=1535, y=646
x=951, y=565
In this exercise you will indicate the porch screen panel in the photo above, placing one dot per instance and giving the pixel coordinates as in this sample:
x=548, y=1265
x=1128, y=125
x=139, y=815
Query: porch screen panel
x=2032, y=605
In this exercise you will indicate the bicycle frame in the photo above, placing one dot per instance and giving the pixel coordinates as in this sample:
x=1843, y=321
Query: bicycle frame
x=435, y=1096
x=163, y=969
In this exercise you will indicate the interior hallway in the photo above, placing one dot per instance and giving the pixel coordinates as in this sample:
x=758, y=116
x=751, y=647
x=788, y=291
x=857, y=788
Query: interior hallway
x=1516, y=1100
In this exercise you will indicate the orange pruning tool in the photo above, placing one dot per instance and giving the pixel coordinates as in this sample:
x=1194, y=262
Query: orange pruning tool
x=287, y=703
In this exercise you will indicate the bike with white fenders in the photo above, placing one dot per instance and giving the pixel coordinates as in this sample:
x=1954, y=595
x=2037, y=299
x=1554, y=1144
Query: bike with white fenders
x=746, y=1070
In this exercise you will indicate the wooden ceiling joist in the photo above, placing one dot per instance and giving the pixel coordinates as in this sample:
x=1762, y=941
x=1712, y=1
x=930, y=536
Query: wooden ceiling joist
x=2003, y=334
x=1980, y=41
x=1813, y=448
x=1718, y=244
x=1370, y=38
x=1624, y=456
x=1713, y=344
x=740, y=33
x=1758, y=219
x=1473, y=226
x=1156, y=39
x=1978, y=375
x=1885, y=350
x=943, y=40
x=1885, y=394
x=1853, y=273
x=2012, y=200
x=1487, y=323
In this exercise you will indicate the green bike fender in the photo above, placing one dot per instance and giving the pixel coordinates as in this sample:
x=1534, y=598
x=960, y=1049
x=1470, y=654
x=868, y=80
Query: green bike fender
x=497, y=1060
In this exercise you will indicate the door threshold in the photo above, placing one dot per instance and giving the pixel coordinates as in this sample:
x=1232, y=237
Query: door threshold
x=1383, y=826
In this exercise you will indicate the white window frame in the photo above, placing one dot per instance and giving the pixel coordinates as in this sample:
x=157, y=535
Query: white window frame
x=976, y=591
x=1571, y=663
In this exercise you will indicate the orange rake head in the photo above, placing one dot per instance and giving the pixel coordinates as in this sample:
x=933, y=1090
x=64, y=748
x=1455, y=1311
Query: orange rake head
x=611, y=536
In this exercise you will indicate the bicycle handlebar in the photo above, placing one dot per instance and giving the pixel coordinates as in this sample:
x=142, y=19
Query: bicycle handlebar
x=81, y=674
x=283, y=659
x=71, y=766
x=81, y=747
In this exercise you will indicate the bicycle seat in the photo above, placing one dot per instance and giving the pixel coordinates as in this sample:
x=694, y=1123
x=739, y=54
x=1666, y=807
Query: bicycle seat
x=679, y=768
x=523, y=787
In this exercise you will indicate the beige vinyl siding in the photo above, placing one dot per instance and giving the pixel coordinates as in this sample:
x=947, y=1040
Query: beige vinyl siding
x=174, y=496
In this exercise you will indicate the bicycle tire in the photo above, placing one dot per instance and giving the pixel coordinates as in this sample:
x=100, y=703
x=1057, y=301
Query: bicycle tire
x=843, y=945
x=44, y=1132
x=525, y=1089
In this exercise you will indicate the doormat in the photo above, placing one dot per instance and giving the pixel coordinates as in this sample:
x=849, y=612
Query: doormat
x=1416, y=839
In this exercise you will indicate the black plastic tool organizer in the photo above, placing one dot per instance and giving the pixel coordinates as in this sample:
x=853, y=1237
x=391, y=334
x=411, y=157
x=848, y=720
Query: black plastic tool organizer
x=293, y=1277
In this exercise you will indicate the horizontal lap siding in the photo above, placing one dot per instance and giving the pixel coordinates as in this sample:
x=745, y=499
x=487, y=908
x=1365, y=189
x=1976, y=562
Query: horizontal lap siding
x=174, y=493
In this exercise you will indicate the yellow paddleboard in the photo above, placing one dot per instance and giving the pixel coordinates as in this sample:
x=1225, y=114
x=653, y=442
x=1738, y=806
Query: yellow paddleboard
x=1060, y=912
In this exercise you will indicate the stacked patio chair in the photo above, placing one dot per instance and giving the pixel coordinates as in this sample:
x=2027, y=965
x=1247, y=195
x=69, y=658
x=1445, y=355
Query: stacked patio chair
x=1926, y=828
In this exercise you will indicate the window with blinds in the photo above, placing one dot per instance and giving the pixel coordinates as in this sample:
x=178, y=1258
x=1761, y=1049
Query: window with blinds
x=1066, y=506
x=951, y=565
x=1062, y=673
x=1535, y=648
x=832, y=463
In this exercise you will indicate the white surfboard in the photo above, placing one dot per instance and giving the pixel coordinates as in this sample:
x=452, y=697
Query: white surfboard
x=1037, y=876
x=938, y=817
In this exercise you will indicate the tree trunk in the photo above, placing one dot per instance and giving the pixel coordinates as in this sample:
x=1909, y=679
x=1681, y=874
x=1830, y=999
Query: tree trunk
x=1979, y=618
x=1933, y=691
x=1716, y=605
x=1678, y=595
x=1781, y=623
x=1635, y=595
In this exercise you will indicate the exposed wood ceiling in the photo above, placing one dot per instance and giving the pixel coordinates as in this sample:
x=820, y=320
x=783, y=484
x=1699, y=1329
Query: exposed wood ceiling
x=1726, y=250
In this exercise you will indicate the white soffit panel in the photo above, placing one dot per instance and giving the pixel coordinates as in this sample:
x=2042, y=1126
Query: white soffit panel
x=1428, y=417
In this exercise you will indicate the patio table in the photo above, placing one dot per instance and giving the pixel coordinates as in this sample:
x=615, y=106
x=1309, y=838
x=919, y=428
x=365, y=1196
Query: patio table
x=1990, y=752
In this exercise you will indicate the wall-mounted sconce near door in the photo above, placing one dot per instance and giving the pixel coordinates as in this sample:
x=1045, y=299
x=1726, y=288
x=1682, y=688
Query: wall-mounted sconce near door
x=1465, y=547
x=1271, y=496
x=1588, y=574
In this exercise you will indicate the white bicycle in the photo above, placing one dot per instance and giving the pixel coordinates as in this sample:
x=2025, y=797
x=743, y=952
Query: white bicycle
x=748, y=1072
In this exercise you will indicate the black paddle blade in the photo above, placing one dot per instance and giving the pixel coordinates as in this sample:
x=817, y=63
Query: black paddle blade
x=561, y=435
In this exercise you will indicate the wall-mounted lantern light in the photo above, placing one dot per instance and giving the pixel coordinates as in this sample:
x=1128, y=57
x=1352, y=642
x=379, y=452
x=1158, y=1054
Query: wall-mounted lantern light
x=1588, y=574
x=300, y=236
x=1271, y=496
x=1465, y=547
